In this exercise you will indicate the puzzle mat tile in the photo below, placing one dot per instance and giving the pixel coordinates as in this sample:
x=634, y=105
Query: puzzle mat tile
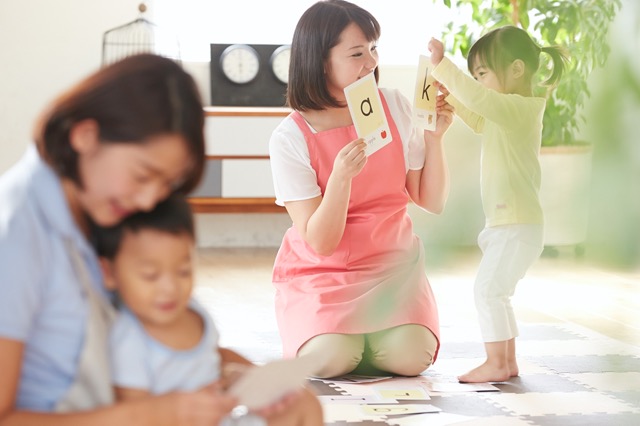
x=569, y=375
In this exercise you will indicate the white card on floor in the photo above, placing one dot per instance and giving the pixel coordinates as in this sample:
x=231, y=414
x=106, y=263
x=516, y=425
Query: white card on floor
x=399, y=409
x=356, y=378
x=346, y=413
x=354, y=399
x=462, y=387
x=424, y=100
x=402, y=393
x=263, y=385
x=440, y=419
x=367, y=113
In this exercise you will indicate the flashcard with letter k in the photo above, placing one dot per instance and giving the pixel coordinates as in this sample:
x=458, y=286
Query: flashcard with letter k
x=367, y=113
x=424, y=102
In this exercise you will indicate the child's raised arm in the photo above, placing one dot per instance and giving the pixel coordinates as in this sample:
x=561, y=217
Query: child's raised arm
x=436, y=48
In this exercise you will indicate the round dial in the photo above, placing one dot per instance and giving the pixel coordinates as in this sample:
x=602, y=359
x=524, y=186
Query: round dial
x=280, y=63
x=240, y=63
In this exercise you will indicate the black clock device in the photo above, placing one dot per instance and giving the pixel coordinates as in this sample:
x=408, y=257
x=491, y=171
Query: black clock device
x=249, y=74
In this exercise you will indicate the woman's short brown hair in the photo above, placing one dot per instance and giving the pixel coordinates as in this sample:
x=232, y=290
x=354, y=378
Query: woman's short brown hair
x=132, y=100
x=319, y=30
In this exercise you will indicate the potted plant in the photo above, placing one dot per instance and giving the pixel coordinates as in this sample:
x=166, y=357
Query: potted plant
x=580, y=26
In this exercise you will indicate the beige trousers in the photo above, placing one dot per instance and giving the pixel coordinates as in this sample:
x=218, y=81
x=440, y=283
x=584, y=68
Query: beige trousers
x=406, y=350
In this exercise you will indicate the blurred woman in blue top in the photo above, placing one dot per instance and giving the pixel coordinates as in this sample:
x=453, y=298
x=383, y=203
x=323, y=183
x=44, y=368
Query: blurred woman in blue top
x=119, y=142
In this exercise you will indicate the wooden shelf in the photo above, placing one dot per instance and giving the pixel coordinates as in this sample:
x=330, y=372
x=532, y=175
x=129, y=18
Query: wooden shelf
x=235, y=205
x=204, y=204
x=220, y=111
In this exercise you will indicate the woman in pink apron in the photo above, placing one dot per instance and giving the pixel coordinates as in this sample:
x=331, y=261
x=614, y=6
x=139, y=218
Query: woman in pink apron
x=350, y=275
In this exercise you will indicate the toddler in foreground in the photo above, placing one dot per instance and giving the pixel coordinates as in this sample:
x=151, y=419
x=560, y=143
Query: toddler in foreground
x=164, y=341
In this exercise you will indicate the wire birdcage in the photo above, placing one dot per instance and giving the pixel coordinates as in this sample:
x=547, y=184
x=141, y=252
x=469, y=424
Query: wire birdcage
x=138, y=36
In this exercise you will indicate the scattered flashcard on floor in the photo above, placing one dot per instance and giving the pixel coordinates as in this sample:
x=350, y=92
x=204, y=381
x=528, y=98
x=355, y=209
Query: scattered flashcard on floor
x=402, y=393
x=424, y=101
x=354, y=399
x=399, y=409
x=356, y=378
x=431, y=419
x=461, y=387
x=346, y=413
x=263, y=385
x=367, y=113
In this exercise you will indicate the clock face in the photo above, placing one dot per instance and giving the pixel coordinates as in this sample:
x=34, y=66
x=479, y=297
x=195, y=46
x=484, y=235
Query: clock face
x=280, y=63
x=240, y=63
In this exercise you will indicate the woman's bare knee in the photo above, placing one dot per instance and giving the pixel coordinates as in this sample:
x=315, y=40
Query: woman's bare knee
x=405, y=350
x=341, y=353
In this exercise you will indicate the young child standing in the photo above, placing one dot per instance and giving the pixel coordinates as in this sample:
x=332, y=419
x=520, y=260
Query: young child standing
x=162, y=340
x=500, y=105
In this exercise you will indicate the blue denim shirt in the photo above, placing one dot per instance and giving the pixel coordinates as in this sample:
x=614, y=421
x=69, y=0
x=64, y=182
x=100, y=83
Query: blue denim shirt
x=41, y=302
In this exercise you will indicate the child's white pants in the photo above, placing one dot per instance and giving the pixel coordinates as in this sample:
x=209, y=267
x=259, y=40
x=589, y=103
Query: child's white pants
x=507, y=252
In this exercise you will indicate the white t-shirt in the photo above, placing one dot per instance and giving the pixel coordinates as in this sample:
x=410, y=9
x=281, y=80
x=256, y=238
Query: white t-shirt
x=293, y=177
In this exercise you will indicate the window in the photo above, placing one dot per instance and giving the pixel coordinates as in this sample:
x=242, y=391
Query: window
x=407, y=25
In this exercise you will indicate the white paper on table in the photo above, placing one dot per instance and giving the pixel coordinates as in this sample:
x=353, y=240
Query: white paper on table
x=263, y=385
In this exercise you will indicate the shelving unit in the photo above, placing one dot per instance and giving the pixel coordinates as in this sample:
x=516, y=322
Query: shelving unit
x=238, y=178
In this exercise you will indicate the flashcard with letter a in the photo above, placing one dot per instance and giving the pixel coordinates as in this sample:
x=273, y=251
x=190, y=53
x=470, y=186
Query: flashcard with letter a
x=424, y=101
x=367, y=113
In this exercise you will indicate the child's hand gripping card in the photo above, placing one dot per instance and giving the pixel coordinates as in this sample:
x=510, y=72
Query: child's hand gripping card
x=264, y=385
x=424, y=101
x=367, y=113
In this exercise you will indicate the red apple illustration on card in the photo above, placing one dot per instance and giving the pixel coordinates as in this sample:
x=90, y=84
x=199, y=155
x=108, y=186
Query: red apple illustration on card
x=367, y=113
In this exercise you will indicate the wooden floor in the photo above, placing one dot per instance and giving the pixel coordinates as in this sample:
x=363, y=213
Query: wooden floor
x=565, y=288
x=579, y=348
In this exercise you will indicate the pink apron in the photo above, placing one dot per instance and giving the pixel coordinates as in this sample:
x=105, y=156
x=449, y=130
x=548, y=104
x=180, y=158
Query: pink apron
x=375, y=279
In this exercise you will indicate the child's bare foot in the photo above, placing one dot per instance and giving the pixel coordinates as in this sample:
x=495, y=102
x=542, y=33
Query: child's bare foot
x=513, y=369
x=511, y=358
x=486, y=373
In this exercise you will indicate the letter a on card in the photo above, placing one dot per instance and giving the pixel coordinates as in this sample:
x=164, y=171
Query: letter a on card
x=424, y=101
x=367, y=113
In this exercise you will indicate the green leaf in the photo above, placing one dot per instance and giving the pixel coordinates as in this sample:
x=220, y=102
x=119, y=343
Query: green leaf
x=580, y=26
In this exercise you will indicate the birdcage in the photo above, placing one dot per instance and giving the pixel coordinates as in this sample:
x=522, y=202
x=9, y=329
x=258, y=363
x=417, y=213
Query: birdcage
x=138, y=36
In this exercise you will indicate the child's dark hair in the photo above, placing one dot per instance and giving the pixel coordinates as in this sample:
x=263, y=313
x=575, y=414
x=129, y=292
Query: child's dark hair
x=173, y=216
x=498, y=48
x=317, y=31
